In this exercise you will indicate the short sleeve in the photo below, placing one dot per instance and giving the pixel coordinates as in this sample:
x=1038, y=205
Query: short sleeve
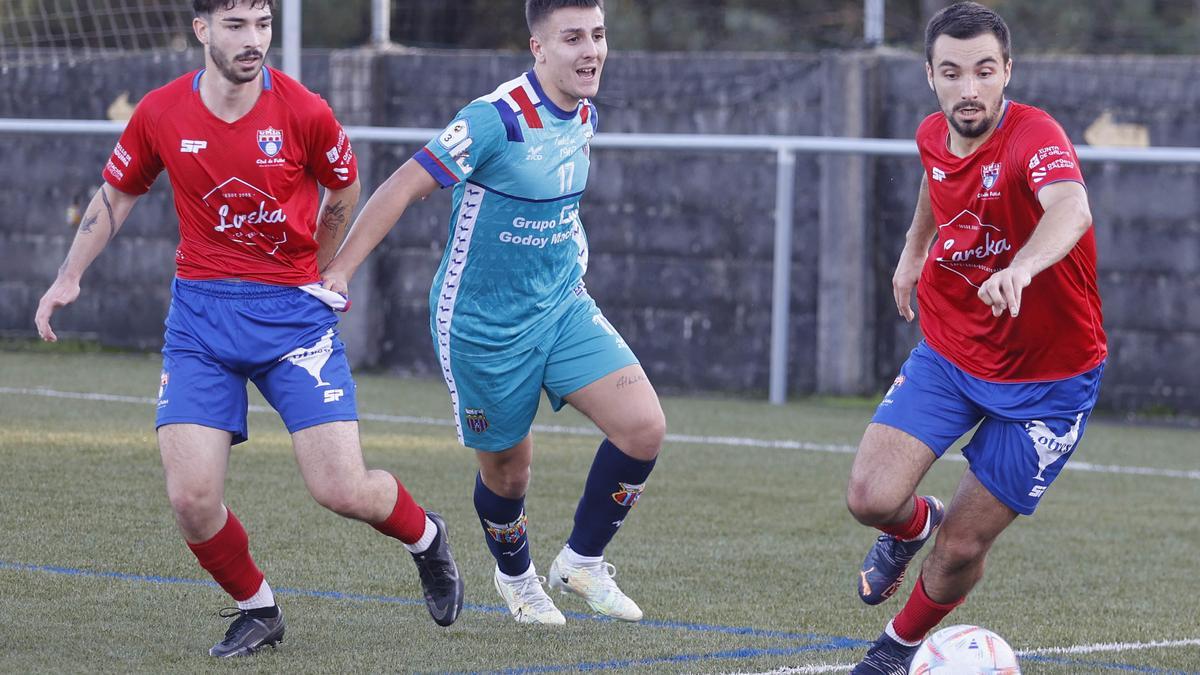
x=331, y=159
x=134, y=163
x=475, y=136
x=1046, y=155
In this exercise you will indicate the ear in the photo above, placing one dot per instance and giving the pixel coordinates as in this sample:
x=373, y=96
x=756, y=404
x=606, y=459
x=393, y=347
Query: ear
x=200, y=28
x=535, y=46
x=929, y=77
x=1007, y=72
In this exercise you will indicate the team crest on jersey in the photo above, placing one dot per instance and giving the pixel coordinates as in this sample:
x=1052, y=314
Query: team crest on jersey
x=991, y=173
x=477, y=420
x=628, y=495
x=507, y=533
x=270, y=141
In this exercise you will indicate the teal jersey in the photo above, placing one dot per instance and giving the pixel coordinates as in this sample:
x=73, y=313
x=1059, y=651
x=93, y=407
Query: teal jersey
x=516, y=251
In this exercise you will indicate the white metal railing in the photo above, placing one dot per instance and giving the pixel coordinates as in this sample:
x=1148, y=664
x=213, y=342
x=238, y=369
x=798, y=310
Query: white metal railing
x=784, y=147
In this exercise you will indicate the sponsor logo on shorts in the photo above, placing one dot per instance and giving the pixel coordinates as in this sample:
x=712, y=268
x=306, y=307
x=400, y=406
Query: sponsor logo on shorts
x=477, y=420
x=1049, y=445
x=629, y=494
x=507, y=533
x=334, y=395
x=313, y=359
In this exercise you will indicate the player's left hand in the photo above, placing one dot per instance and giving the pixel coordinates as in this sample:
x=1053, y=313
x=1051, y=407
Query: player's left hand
x=1002, y=290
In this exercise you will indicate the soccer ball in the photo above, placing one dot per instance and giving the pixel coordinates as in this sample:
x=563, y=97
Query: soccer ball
x=964, y=650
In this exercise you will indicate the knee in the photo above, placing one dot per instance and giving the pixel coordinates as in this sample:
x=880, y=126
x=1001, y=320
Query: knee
x=871, y=506
x=510, y=482
x=952, y=555
x=197, y=511
x=342, y=499
x=643, y=439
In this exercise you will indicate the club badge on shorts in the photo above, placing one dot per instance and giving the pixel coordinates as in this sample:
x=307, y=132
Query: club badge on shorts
x=477, y=420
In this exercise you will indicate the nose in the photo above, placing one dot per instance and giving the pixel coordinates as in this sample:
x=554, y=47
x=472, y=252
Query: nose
x=258, y=38
x=970, y=88
x=591, y=50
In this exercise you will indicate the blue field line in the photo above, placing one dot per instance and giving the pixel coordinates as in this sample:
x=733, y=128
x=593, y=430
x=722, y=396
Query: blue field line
x=358, y=597
x=822, y=643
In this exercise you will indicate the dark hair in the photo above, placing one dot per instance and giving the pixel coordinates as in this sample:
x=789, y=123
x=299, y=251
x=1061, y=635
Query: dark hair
x=966, y=20
x=207, y=7
x=537, y=10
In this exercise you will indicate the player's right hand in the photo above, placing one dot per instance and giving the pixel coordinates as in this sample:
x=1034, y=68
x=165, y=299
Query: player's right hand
x=908, y=271
x=60, y=294
x=336, y=282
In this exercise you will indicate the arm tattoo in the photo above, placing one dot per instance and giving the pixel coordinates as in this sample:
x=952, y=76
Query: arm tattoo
x=334, y=217
x=88, y=223
x=626, y=380
x=112, y=224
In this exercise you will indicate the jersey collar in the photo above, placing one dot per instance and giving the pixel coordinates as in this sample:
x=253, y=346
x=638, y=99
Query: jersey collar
x=554, y=110
x=266, y=79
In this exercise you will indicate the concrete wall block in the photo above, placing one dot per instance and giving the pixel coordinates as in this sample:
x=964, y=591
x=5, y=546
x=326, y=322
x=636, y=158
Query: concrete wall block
x=681, y=241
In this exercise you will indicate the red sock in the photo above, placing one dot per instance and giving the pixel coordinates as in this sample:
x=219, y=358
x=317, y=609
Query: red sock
x=913, y=527
x=407, y=522
x=227, y=558
x=920, y=614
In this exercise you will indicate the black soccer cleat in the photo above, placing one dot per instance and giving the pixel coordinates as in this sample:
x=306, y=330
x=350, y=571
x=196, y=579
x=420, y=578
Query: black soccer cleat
x=440, y=581
x=886, y=657
x=248, y=634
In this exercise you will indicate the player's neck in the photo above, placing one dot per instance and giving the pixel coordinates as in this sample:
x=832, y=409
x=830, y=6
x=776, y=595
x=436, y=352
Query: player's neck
x=556, y=96
x=226, y=100
x=961, y=146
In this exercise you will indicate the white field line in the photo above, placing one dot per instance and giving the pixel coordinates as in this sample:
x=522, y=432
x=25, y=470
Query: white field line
x=806, y=446
x=1044, y=651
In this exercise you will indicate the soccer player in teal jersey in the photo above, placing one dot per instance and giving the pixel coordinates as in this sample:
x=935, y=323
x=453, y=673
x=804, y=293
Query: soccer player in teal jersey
x=510, y=315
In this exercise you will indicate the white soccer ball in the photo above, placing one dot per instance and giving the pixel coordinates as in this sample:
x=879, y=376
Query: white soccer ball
x=964, y=650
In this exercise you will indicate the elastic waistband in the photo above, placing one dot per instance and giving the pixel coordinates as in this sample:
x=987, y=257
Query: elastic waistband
x=219, y=288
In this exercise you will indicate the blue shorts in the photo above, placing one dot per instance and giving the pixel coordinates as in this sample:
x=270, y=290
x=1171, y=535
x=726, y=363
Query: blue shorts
x=222, y=333
x=1027, y=430
x=495, y=399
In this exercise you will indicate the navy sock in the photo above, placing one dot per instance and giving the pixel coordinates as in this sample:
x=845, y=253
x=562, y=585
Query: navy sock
x=613, y=487
x=503, y=523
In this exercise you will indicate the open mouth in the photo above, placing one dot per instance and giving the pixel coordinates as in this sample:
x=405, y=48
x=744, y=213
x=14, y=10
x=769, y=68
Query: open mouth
x=249, y=61
x=588, y=73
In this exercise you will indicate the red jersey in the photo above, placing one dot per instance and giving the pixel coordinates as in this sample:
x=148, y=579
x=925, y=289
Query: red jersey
x=245, y=192
x=986, y=207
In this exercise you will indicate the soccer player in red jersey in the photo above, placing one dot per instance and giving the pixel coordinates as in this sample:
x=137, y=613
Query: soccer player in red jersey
x=1003, y=256
x=245, y=147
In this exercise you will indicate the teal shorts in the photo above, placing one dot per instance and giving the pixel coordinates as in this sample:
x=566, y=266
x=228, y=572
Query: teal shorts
x=496, y=398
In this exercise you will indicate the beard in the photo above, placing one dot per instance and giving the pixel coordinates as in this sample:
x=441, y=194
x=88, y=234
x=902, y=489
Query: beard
x=229, y=69
x=976, y=128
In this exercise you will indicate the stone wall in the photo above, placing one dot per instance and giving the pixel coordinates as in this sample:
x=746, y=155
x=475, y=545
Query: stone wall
x=681, y=240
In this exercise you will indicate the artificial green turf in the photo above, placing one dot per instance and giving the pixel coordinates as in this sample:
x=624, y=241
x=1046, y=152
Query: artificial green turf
x=724, y=536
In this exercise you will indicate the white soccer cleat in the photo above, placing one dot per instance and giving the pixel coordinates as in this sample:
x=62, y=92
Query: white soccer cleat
x=527, y=601
x=594, y=583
